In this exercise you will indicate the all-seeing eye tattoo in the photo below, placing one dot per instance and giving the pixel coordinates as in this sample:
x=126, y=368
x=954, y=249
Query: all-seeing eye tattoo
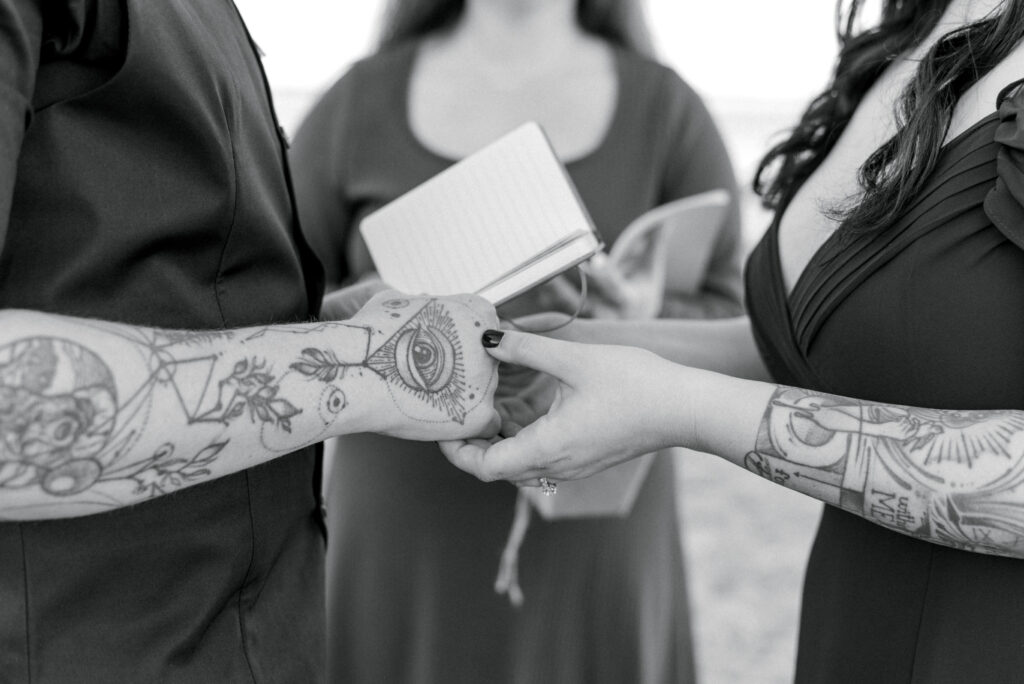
x=422, y=360
x=952, y=477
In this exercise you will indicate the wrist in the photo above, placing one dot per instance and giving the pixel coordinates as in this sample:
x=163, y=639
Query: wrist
x=725, y=413
x=682, y=399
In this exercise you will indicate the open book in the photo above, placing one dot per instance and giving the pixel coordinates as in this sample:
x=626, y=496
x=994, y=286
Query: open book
x=686, y=229
x=496, y=223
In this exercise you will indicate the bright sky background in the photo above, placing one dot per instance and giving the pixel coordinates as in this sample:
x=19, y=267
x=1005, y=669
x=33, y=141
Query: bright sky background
x=756, y=49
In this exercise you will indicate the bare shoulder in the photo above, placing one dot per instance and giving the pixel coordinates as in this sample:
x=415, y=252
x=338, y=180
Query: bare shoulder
x=980, y=100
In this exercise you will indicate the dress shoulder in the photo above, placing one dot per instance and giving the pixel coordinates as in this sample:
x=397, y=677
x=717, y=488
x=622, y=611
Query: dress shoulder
x=658, y=77
x=1005, y=202
x=367, y=76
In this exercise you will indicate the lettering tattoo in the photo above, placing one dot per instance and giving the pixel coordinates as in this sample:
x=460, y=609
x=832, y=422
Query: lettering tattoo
x=66, y=429
x=950, y=477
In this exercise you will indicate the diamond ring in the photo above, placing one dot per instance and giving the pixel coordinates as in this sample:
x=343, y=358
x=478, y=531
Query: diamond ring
x=548, y=487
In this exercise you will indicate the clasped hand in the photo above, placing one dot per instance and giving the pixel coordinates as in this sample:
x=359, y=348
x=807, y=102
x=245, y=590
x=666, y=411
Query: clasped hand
x=608, y=404
x=419, y=355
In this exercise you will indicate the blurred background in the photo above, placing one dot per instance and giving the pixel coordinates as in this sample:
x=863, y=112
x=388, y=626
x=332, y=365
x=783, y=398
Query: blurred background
x=756, y=64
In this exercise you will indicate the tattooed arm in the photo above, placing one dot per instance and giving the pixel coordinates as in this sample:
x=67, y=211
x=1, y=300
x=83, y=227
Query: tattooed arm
x=949, y=477
x=97, y=415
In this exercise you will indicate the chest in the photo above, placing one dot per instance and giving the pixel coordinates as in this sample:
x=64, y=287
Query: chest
x=810, y=218
x=152, y=187
x=455, y=109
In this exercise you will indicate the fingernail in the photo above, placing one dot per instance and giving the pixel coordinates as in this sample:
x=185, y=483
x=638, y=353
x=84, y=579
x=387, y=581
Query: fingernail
x=492, y=338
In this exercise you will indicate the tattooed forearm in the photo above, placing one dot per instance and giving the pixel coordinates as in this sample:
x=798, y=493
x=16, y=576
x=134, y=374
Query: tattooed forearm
x=951, y=477
x=63, y=427
x=97, y=415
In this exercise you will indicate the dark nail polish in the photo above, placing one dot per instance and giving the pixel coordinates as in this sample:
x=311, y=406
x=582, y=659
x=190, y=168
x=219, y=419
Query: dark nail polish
x=491, y=338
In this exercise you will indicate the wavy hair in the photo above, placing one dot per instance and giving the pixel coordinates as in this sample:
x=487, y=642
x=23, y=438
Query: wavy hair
x=620, y=22
x=896, y=172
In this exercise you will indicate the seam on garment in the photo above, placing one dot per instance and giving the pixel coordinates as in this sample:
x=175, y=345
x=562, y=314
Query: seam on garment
x=245, y=579
x=217, y=280
x=920, y=617
x=24, y=580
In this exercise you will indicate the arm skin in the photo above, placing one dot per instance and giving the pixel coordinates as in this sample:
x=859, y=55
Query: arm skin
x=724, y=345
x=948, y=477
x=97, y=415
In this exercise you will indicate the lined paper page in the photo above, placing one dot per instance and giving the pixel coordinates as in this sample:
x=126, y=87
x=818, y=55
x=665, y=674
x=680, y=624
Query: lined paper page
x=499, y=221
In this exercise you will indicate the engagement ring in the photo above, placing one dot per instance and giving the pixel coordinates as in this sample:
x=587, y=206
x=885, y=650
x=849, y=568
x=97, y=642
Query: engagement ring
x=548, y=487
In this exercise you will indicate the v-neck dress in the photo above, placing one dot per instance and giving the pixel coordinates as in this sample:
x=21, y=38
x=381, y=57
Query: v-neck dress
x=415, y=543
x=927, y=312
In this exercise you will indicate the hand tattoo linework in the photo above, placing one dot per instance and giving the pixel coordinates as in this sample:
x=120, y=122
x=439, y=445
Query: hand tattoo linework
x=952, y=477
x=422, y=359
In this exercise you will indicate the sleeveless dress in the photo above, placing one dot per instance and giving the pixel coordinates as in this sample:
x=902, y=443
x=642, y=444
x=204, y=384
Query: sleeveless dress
x=415, y=543
x=143, y=180
x=928, y=312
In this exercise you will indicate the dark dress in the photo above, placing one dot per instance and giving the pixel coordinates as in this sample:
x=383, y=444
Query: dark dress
x=415, y=543
x=142, y=180
x=927, y=312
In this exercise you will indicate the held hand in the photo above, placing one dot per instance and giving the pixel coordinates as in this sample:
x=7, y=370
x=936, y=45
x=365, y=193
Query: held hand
x=343, y=304
x=611, y=404
x=425, y=354
x=523, y=396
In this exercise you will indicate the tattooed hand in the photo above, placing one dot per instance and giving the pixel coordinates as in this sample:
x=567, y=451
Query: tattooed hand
x=427, y=352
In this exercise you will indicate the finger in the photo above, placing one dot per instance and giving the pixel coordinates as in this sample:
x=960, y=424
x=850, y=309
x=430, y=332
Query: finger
x=507, y=459
x=493, y=427
x=510, y=428
x=468, y=455
x=554, y=357
x=515, y=410
x=541, y=321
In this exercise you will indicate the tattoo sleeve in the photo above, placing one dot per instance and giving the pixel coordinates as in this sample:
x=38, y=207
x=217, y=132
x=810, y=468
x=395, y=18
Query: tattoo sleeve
x=97, y=415
x=950, y=477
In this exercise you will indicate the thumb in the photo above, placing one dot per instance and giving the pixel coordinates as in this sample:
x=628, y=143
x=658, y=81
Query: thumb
x=553, y=357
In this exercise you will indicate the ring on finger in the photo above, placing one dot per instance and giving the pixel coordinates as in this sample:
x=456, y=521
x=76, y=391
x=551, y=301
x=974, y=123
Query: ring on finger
x=548, y=487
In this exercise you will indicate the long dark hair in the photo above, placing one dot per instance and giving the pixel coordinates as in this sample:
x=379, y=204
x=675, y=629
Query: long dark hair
x=896, y=172
x=620, y=22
